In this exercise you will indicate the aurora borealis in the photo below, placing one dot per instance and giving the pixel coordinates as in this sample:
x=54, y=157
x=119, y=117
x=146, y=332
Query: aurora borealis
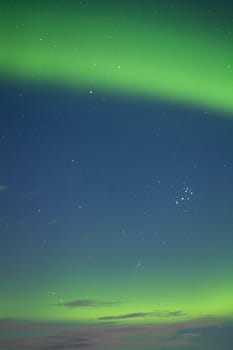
x=155, y=49
x=116, y=184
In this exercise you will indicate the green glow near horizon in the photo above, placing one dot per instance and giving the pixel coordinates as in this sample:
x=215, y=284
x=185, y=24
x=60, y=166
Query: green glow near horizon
x=154, y=57
x=197, y=297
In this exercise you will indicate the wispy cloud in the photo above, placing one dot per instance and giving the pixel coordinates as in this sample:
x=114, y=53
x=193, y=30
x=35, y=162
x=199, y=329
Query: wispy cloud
x=29, y=194
x=177, y=313
x=87, y=303
x=3, y=188
x=125, y=316
x=162, y=313
x=53, y=221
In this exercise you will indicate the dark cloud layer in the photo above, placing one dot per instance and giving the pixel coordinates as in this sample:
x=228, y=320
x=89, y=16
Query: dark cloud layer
x=201, y=334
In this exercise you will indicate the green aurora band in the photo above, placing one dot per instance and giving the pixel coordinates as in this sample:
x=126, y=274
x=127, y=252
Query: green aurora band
x=193, y=290
x=152, y=53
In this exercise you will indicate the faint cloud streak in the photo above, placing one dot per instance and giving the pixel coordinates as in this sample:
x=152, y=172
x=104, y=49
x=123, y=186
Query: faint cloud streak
x=87, y=303
x=177, y=313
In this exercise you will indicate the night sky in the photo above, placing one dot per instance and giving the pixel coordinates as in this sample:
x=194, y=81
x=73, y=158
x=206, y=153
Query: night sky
x=116, y=181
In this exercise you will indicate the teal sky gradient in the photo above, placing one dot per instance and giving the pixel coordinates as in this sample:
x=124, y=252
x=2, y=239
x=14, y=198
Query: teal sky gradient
x=116, y=190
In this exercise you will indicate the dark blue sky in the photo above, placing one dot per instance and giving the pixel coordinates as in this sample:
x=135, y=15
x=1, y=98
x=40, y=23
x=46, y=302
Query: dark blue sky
x=114, y=164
